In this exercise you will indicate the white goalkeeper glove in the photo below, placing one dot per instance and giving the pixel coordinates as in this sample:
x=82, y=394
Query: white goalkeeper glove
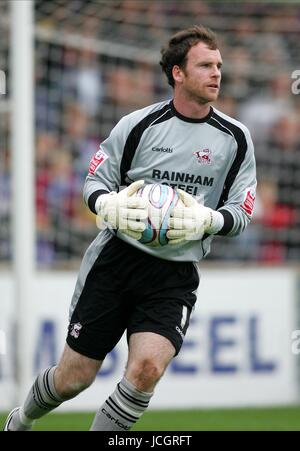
x=190, y=220
x=123, y=210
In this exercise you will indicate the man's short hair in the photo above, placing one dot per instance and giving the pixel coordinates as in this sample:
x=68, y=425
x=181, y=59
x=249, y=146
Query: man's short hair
x=179, y=45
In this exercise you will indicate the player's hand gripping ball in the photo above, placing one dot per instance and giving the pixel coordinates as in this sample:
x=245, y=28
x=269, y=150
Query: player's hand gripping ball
x=161, y=201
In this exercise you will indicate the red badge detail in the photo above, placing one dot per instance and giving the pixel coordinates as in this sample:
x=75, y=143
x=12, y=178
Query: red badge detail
x=248, y=204
x=96, y=161
x=203, y=156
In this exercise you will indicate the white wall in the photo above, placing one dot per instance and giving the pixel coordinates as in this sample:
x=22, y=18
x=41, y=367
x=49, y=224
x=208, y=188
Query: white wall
x=237, y=350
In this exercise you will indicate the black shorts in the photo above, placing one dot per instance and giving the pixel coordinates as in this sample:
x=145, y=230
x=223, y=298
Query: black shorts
x=127, y=289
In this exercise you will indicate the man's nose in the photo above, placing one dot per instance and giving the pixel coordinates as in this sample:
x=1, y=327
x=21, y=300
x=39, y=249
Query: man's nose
x=216, y=73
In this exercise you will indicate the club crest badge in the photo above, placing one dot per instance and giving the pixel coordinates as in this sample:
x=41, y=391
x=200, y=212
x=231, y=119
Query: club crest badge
x=204, y=156
x=74, y=329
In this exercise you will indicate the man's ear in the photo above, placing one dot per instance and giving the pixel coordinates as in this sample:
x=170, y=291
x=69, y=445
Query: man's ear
x=178, y=74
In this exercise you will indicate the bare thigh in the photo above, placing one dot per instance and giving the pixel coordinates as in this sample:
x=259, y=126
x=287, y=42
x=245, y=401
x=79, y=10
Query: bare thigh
x=148, y=358
x=74, y=372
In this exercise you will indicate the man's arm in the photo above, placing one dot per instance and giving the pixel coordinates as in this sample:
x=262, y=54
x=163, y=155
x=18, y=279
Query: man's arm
x=117, y=210
x=237, y=202
x=104, y=170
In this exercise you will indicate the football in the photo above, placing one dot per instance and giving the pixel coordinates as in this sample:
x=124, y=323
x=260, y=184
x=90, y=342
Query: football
x=162, y=199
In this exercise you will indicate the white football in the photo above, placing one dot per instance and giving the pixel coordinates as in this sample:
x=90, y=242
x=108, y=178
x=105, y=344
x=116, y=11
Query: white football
x=162, y=199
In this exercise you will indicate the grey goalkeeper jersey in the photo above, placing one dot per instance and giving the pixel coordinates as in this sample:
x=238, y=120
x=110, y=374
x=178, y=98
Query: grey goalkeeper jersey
x=210, y=158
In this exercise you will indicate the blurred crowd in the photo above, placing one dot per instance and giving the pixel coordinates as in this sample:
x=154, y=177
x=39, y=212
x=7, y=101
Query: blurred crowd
x=83, y=89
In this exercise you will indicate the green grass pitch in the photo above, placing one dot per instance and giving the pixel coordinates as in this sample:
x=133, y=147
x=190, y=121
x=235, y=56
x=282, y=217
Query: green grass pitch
x=248, y=419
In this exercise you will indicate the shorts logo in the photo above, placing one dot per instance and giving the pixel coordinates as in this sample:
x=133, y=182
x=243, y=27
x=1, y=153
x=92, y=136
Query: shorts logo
x=203, y=156
x=75, y=329
x=180, y=332
x=97, y=160
x=248, y=204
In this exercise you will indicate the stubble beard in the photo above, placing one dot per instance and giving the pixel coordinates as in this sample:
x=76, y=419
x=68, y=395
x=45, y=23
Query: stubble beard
x=200, y=98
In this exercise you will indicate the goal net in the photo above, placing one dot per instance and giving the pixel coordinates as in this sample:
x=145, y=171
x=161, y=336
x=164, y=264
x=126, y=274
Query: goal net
x=96, y=60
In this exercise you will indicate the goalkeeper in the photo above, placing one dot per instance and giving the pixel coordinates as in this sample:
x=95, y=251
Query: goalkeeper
x=150, y=291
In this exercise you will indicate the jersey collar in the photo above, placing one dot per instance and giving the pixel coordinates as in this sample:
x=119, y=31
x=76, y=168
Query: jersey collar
x=190, y=119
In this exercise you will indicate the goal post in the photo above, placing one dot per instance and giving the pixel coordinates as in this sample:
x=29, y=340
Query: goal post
x=22, y=167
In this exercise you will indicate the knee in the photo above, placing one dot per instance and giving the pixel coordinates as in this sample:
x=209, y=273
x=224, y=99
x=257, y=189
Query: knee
x=145, y=374
x=70, y=383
